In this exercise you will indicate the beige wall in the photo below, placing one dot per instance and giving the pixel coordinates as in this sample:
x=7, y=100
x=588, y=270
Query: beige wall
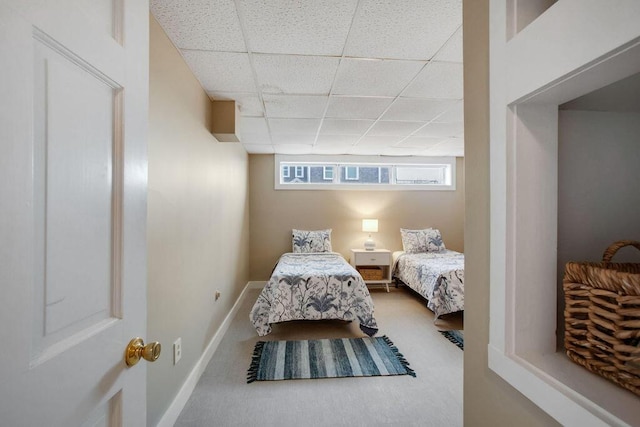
x=488, y=400
x=198, y=222
x=275, y=213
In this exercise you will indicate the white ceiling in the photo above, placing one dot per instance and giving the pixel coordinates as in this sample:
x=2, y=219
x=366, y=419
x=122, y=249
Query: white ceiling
x=374, y=77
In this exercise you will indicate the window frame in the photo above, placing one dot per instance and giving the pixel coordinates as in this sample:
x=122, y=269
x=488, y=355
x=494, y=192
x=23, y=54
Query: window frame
x=326, y=169
x=346, y=172
x=339, y=161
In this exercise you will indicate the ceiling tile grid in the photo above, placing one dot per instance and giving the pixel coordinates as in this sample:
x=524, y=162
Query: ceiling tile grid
x=295, y=74
x=345, y=127
x=417, y=109
x=295, y=106
x=300, y=27
x=249, y=104
x=200, y=24
x=357, y=107
x=437, y=80
x=408, y=29
x=374, y=77
x=296, y=126
x=221, y=71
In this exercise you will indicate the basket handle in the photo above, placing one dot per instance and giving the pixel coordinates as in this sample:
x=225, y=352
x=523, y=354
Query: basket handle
x=613, y=248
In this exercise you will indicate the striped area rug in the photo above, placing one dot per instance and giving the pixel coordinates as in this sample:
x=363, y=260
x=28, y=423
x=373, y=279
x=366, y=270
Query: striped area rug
x=328, y=358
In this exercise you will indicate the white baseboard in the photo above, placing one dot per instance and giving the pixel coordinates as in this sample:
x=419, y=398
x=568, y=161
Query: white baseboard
x=256, y=285
x=171, y=414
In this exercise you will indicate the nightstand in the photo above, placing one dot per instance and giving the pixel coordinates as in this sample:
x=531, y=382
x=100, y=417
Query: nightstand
x=374, y=266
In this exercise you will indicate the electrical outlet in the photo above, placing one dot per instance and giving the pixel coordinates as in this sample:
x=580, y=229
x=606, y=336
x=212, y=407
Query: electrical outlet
x=217, y=295
x=177, y=351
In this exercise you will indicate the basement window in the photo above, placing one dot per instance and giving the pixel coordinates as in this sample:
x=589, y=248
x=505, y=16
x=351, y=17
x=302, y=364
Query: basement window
x=327, y=173
x=351, y=173
x=364, y=172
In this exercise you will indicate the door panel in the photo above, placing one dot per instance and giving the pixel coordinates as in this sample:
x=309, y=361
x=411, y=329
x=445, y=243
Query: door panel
x=73, y=112
x=74, y=139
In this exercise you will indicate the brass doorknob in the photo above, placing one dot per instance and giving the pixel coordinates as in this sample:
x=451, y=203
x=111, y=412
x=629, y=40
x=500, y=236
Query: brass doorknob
x=136, y=349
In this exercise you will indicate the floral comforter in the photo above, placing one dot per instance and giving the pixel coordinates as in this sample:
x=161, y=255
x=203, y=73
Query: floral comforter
x=437, y=276
x=313, y=286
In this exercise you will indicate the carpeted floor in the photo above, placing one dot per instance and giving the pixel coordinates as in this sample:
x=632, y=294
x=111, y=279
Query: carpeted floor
x=434, y=398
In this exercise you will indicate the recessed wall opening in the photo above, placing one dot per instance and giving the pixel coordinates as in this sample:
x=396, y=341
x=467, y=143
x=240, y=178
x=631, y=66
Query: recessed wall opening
x=565, y=144
x=573, y=192
x=598, y=176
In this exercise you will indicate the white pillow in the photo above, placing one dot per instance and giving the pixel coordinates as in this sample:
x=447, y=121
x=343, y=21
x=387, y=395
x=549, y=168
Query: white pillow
x=304, y=241
x=413, y=241
x=434, y=240
x=425, y=240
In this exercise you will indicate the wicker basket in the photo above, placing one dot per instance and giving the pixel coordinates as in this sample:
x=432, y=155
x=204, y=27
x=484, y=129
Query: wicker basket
x=371, y=273
x=602, y=317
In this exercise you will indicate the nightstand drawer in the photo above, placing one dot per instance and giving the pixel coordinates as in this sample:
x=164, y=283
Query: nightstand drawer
x=372, y=258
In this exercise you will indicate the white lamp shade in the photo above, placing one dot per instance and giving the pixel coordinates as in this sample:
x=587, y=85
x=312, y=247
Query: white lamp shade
x=370, y=225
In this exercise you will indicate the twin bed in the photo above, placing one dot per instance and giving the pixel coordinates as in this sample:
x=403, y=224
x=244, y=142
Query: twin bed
x=433, y=271
x=314, y=283
x=437, y=276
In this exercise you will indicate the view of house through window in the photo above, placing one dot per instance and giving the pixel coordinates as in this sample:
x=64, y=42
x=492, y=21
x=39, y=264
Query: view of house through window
x=343, y=172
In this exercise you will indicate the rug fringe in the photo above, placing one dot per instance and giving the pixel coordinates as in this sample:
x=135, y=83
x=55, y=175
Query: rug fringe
x=400, y=356
x=252, y=374
x=448, y=335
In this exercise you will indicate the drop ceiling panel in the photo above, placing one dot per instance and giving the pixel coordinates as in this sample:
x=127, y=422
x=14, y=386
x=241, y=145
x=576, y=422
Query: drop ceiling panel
x=437, y=80
x=365, y=150
x=453, y=145
x=408, y=29
x=357, y=107
x=419, y=142
x=452, y=50
x=200, y=24
x=221, y=71
x=295, y=106
x=453, y=115
x=374, y=77
x=316, y=76
x=294, y=126
x=293, y=148
x=328, y=149
x=345, y=127
x=248, y=104
x=292, y=138
x=444, y=151
x=387, y=128
x=255, y=138
x=252, y=125
x=295, y=74
x=417, y=109
x=403, y=151
x=371, y=141
x=441, y=130
x=345, y=140
x=306, y=27
x=259, y=149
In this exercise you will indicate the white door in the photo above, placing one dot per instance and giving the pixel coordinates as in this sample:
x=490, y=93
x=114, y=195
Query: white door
x=73, y=119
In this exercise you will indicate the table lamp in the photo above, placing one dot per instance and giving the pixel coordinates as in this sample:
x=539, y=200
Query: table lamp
x=370, y=226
